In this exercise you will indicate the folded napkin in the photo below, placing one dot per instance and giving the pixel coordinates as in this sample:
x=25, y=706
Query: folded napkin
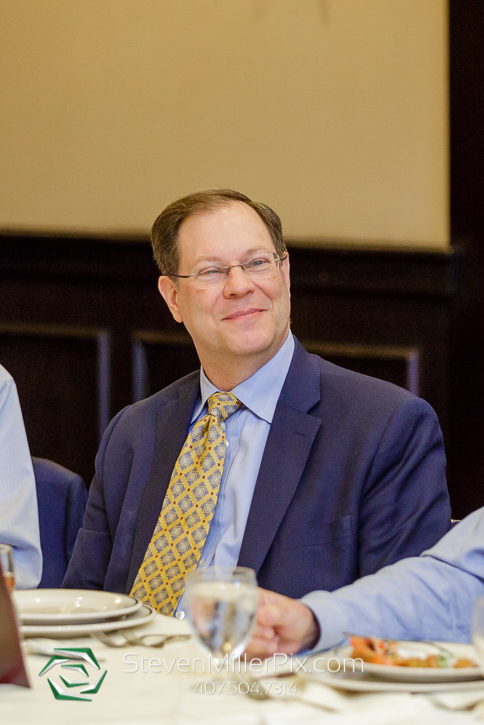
x=356, y=708
x=324, y=697
x=374, y=709
x=459, y=699
x=315, y=693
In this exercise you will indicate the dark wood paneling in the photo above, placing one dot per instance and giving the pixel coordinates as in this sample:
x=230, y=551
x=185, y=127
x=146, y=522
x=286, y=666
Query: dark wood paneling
x=419, y=322
x=157, y=355
x=159, y=359
x=466, y=443
x=367, y=271
x=397, y=365
x=382, y=313
x=62, y=376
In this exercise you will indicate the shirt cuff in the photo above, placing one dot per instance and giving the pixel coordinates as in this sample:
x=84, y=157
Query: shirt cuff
x=331, y=619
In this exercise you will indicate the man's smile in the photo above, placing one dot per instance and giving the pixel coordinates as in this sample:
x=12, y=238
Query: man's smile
x=251, y=312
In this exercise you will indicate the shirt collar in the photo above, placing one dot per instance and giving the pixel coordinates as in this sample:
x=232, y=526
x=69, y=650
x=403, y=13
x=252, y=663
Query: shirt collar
x=261, y=391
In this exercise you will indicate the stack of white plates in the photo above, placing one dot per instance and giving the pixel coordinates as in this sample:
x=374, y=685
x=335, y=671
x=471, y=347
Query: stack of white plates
x=65, y=613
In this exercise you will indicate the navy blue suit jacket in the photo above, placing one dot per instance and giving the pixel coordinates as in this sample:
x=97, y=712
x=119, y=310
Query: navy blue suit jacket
x=61, y=499
x=352, y=478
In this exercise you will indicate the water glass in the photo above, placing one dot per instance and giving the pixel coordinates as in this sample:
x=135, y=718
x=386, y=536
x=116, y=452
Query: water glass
x=8, y=568
x=222, y=608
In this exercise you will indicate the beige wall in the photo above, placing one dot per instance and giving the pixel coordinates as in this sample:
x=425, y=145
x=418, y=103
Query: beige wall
x=332, y=111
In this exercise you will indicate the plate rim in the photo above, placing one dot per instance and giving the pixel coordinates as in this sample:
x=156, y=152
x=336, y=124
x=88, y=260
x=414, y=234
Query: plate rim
x=372, y=685
x=80, y=618
x=413, y=675
x=65, y=631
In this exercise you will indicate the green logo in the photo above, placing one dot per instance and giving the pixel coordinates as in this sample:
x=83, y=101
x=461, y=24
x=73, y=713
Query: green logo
x=73, y=662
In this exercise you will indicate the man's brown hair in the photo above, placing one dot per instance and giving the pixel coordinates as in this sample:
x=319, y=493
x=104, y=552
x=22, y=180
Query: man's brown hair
x=164, y=232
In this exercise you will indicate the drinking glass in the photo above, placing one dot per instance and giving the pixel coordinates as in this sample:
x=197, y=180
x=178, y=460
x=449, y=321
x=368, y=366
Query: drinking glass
x=222, y=608
x=6, y=558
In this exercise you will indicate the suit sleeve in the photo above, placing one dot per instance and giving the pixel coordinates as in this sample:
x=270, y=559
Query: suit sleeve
x=427, y=597
x=92, y=550
x=405, y=505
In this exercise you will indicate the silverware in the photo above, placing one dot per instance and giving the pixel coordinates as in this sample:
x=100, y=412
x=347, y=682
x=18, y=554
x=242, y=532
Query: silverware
x=132, y=637
x=46, y=649
x=438, y=646
x=160, y=639
x=107, y=639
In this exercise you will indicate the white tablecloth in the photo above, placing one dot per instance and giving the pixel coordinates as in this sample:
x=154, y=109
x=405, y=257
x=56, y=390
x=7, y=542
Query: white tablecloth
x=158, y=696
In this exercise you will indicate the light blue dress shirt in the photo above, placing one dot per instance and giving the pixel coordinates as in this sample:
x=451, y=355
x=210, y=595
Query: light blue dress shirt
x=19, y=520
x=247, y=432
x=427, y=597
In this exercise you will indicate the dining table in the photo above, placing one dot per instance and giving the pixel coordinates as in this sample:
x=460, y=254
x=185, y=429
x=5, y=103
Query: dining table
x=178, y=684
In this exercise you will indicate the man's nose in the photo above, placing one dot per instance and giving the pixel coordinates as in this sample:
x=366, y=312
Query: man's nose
x=237, y=282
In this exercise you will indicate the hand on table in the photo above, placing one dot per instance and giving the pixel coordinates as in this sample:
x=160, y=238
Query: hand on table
x=283, y=625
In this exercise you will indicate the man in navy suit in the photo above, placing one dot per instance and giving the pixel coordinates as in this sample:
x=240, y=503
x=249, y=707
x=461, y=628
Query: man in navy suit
x=329, y=475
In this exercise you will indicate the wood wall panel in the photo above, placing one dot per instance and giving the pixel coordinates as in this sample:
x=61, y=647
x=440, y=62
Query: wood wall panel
x=397, y=365
x=62, y=376
x=419, y=323
x=388, y=314
x=466, y=46
x=159, y=359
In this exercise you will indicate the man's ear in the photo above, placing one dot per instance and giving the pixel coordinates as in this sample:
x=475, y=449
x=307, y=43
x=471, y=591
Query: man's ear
x=169, y=292
x=285, y=272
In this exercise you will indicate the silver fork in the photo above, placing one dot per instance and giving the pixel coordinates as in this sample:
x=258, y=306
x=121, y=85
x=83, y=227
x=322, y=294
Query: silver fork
x=159, y=640
x=131, y=637
x=107, y=640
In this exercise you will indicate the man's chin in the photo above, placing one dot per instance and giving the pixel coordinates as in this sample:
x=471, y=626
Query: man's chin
x=251, y=346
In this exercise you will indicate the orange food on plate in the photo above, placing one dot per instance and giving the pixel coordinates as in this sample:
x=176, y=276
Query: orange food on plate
x=378, y=651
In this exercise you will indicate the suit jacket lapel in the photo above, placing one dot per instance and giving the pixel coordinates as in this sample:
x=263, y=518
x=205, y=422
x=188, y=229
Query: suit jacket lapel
x=285, y=456
x=170, y=434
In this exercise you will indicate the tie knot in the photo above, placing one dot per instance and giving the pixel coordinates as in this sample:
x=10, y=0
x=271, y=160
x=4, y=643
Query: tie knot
x=222, y=405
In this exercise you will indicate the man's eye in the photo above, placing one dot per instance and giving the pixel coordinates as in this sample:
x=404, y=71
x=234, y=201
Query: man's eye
x=259, y=263
x=210, y=272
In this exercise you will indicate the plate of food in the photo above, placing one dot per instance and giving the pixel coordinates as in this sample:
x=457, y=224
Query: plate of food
x=401, y=661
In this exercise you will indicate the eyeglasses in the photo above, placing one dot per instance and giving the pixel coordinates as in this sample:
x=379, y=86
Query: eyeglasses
x=263, y=266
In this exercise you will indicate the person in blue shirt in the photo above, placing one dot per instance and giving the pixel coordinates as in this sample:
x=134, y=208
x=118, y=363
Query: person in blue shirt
x=430, y=597
x=19, y=520
x=328, y=475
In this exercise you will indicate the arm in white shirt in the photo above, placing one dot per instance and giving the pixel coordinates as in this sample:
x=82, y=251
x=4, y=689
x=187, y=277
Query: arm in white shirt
x=19, y=520
x=427, y=597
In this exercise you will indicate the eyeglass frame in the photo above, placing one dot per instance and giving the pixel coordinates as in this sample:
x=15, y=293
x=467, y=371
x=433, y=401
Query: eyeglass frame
x=227, y=270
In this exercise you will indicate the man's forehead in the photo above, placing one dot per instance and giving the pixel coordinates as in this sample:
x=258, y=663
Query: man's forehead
x=232, y=224
x=222, y=214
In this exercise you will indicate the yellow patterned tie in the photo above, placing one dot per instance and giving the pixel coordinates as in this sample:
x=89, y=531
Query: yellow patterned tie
x=187, y=512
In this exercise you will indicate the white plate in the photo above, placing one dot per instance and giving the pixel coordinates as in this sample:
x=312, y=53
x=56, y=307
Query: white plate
x=64, y=631
x=412, y=675
x=353, y=683
x=71, y=606
x=426, y=674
